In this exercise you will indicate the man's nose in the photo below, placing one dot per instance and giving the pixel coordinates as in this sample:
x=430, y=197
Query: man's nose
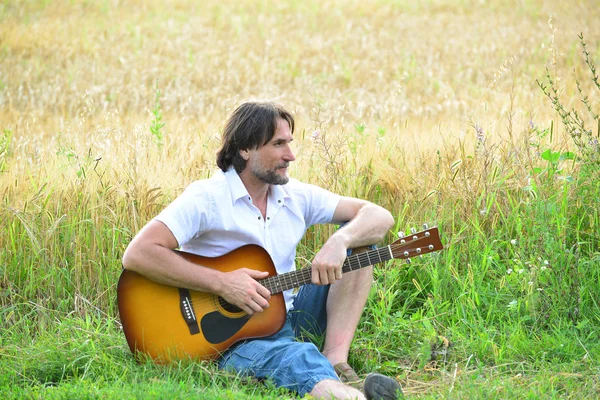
x=289, y=155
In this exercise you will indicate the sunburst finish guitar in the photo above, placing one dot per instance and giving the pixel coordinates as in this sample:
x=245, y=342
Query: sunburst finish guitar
x=168, y=323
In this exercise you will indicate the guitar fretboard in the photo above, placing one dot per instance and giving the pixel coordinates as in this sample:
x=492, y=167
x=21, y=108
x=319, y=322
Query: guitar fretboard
x=289, y=280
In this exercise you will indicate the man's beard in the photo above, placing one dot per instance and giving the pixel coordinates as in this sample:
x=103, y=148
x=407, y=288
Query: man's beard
x=270, y=176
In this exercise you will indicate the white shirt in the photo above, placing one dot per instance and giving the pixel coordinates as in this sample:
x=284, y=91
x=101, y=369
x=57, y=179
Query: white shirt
x=214, y=216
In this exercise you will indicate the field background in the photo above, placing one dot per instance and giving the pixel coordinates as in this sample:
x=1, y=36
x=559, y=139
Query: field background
x=108, y=109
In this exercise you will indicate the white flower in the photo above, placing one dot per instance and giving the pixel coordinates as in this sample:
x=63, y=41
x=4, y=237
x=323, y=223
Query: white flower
x=513, y=242
x=509, y=271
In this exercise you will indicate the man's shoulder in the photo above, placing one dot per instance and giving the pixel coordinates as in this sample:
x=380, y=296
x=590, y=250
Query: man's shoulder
x=215, y=184
x=304, y=190
x=295, y=187
x=300, y=186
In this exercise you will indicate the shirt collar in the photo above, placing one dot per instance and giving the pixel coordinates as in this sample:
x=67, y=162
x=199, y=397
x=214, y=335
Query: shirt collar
x=279, y=194
x=236, y=186
x=238, y=190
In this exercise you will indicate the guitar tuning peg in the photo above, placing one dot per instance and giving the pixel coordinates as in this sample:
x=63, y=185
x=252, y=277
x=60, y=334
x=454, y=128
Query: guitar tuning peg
x=425, y=226
x=401, y=234
x=413, y=230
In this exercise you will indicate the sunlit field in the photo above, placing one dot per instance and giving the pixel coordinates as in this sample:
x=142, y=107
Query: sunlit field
x=479, y=117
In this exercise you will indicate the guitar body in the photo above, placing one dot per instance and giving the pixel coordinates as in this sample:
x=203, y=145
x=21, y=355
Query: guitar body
x=168, y=323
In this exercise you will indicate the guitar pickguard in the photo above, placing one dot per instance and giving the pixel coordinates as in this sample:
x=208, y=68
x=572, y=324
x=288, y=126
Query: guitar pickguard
x=217, y=328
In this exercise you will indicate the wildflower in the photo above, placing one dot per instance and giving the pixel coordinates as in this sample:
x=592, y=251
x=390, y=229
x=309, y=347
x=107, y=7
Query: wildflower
x=530, y=283
x=509, y=271
x=531, y=124
x=315, y=134
x=513, y=242
x=543, y=268
x=480, y=136
x=520, y=271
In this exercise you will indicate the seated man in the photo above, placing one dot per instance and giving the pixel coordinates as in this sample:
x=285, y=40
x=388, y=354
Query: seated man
x=253, y=201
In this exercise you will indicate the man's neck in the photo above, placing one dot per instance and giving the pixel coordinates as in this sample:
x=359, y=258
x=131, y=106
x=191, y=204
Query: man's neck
x=257, y=189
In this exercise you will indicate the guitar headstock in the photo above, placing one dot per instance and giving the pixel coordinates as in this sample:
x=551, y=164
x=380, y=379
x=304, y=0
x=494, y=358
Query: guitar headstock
x=417, y=243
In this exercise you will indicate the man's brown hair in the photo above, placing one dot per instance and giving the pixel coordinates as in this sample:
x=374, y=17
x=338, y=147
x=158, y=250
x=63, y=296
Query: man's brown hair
x=251, y=125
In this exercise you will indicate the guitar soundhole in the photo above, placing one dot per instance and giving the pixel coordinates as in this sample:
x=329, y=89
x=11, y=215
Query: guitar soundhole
x=229, y=307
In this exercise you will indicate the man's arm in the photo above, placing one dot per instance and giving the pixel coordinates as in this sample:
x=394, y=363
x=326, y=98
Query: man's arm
x=368, y=224
x=150, y=253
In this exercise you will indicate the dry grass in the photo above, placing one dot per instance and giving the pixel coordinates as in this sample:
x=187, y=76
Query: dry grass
x=421, y=72
x=388, y=98
x=394, y=91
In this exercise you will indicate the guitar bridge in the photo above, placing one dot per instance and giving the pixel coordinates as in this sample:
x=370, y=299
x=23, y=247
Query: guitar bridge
x=187, y=311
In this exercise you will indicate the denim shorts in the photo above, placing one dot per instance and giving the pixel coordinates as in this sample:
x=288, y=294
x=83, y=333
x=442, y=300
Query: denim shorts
x=288, y=357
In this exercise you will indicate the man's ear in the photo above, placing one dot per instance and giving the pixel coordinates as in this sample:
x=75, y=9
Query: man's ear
x=245, y=154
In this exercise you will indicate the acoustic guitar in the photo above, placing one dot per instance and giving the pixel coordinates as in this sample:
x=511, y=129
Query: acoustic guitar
x=168, y=323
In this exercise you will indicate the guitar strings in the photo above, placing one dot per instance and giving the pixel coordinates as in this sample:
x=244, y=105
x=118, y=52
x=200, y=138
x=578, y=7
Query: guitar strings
x=303, y=275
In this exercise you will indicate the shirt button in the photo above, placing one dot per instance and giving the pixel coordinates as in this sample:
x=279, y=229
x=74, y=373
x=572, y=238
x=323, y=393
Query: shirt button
x=279, y=201
x=269, y=218
x=258, y=217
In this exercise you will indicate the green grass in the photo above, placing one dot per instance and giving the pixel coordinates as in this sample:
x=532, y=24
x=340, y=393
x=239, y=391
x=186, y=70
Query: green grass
x=508, y=309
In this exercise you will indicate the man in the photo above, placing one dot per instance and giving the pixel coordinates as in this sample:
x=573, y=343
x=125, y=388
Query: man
x=253, y=201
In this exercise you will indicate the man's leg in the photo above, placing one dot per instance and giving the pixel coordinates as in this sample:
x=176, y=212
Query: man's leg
x=298, y=366
x=345, y=304
x=295, y=365
x=310, y=321
x=334, y=310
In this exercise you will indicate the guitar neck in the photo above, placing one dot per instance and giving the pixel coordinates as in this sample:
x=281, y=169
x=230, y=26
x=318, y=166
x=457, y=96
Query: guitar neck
x=289, y=280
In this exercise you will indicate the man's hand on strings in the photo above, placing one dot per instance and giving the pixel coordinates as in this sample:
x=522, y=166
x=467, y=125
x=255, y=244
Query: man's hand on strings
x=241, y=288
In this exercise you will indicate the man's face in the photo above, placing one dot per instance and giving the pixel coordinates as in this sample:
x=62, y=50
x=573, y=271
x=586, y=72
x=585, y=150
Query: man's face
x=269, y=163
